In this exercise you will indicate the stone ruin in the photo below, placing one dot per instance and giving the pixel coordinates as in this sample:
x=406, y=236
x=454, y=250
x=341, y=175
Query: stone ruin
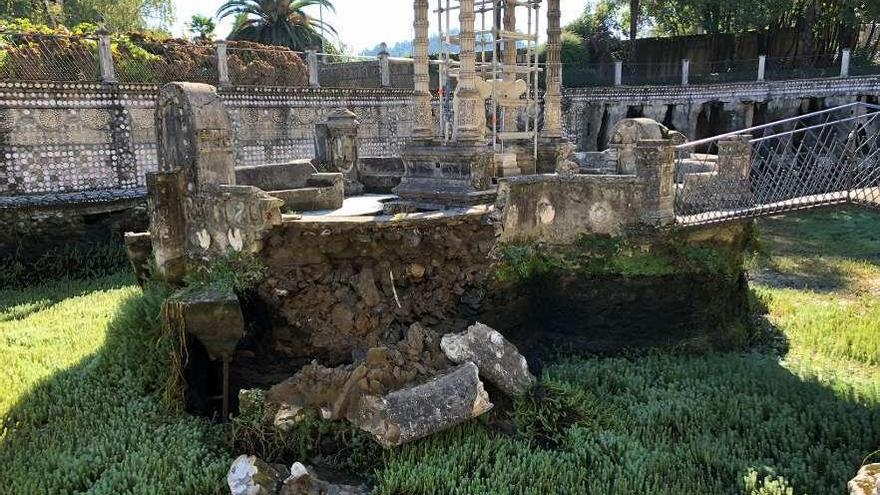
x=375, y=320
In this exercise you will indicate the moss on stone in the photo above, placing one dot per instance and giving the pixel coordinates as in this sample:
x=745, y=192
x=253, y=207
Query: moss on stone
x=630, y=256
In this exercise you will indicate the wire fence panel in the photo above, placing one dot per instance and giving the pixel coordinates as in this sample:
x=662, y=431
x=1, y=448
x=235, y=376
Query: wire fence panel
x=172, y=60
x=822, y=158
x=265, y=66
x=31, y=57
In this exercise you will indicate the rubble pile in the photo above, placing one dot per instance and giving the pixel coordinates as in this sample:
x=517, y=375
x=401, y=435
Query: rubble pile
x=398, y=393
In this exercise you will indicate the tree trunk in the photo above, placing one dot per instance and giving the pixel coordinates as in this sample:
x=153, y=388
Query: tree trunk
x=633, y=19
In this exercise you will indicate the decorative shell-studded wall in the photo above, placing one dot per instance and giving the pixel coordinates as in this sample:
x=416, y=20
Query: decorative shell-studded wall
x=58, y=138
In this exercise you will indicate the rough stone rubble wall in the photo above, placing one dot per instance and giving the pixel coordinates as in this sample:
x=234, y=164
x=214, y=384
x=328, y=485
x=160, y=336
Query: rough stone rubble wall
x=57, y=138
x=707, y=110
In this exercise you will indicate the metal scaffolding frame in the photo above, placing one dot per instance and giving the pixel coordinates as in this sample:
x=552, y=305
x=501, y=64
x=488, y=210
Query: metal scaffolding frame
x=492, y=41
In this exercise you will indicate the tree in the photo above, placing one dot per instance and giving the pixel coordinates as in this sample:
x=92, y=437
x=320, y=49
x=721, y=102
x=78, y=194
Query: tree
x=201, y=27
x=278, y=22
x=120, y=15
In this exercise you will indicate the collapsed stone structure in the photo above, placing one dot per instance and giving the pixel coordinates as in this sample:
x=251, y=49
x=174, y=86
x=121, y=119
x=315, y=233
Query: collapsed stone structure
x=371, y=319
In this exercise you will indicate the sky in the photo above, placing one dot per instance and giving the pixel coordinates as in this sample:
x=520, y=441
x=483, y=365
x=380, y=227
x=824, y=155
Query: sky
x=362, y=24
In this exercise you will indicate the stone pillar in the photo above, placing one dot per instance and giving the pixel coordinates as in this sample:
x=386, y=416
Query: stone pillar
x=423, y=123
x=655, y=165
x=685, y=71
x=470, y=110
x=734, y=172
x=553, y=94
x=222, y=63
x=194, y=133
x=509, y=62
x=762, y=66
x=618, y=72
x=384, y=67
x=312, y=61
x=165, y=193
x=342, y=149
x=105, y=58
x=844, y=62
x=735, y=156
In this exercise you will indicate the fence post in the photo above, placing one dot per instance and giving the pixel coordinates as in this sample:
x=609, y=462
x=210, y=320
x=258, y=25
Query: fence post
x=105, y=58
x=762, y=66
x=844, y=63
x=384, y=67
x=685, y=69
x=222, y=63
x=312, y=59
x=618, y=72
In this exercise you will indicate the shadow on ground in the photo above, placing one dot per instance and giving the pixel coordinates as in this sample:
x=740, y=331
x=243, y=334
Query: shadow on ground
x=101, y=427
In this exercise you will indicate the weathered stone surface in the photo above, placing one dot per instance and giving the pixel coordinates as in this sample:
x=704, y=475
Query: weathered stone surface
x=320, y=276
x=498, y=360
x=332, y=390
x=866, y=482
x=249, y=475
x=419, y=411
x=195, y=135
x=304, y=480
x=212, y=315
x=139, y=249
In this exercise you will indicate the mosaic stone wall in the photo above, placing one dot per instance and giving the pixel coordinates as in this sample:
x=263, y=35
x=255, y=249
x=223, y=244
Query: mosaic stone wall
x=705, y=110
x=57, y=138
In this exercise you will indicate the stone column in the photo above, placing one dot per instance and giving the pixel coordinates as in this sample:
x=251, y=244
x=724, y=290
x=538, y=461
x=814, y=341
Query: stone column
x=470, y=110
x=105, y=58
x=423, y=124
x=509, y=61
x=553, y=94
x=222, y=63
x=342, y=148
x=655, y=165
x=734, y=171
x=312, y=60
x=384, y=67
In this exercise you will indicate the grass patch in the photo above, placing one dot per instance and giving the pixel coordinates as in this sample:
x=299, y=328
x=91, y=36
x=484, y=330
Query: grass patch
x=86, y=363
x=84, y=366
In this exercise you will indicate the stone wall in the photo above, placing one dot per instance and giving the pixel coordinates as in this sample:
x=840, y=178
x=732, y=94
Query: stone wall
x=365, y=74
x=58, y=138
x=337, y=287
x=705, y=110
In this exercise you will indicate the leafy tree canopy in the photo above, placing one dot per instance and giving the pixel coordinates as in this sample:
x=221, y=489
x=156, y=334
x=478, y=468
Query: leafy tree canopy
x=278, y=22
x=201, y=27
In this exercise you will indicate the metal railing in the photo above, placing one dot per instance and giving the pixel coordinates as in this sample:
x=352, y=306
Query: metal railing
x=821, y=158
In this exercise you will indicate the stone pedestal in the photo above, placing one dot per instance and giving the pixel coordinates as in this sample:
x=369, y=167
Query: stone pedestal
x=548, y=154
x=340, y=148
x=506, y=165
x=455, y=174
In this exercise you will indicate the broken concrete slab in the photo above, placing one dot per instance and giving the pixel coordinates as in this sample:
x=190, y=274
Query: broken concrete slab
x=304, y=480
x=250, y=475
x=416, y=412
x=498, y=360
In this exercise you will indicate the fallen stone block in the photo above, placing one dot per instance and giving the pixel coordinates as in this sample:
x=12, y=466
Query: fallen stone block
x=416, y=412
x=304, y=480
x=499, y=361
x=249, y=475
x=139, y=248
x=866, y=482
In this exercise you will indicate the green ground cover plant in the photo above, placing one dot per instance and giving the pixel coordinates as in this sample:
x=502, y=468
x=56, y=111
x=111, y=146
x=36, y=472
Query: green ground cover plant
x=85, y=363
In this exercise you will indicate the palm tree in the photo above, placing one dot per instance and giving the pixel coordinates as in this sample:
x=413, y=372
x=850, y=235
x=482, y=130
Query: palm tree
x=278, y=22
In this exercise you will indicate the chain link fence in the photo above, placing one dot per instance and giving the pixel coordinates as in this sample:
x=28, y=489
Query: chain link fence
x=27, y=57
